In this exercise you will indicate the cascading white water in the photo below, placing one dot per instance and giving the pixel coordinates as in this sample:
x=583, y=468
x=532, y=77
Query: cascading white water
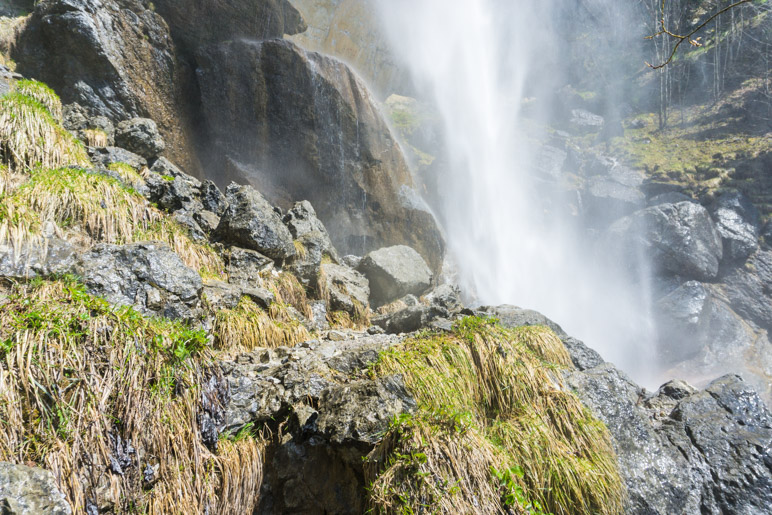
x=473, y=59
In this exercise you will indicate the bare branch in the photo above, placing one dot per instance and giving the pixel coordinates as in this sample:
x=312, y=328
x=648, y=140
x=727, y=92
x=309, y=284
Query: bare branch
x=664, y=31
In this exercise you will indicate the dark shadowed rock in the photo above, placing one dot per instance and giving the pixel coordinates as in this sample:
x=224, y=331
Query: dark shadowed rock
x=140, y=135
x=301, y=220
x=171, y=188
x=244, y=267
x=30, y=491
x=300, y=125
x=227, y=20
x=212, y=198
x=680, y=238
x=109, y=155
x=251, y=222
x=749, y=289
x=394, y=272
x=148, y=276
x=347, y=289
x=683, y=318
x=76, y=119
x=739, y=223
x=335, y=416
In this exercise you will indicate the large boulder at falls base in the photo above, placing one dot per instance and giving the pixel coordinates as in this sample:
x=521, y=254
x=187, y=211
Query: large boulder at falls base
x=30, y=491
x=394, y=272
x=348, y=290
x=680, y=238
x=749, y=289
x=251, y=222
x=302, y=125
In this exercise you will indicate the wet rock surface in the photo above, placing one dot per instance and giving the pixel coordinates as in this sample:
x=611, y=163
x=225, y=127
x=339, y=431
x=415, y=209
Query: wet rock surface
x=681, y=239
x=269, y=107
x=30, y=491
x=749, y=289
x=148, y=276
x=394, y=272
x=682, y=450
x=116, y=59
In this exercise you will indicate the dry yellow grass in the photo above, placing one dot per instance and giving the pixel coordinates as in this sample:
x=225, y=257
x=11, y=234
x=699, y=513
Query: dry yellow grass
x=31, y=137
x=492, y=402
x=76, y=374
x=43, y=94
x=248, y=327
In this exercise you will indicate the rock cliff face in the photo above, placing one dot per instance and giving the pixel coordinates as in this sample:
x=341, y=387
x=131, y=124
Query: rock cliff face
x=348, y=29
x=117, y=59
x=299, y=124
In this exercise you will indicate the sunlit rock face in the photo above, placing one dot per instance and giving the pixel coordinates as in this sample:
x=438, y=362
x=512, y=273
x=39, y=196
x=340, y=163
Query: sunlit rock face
x=299, y=125
x=115, y=58
x=349, y=30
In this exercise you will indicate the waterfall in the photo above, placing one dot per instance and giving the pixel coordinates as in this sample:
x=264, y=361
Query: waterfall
x=509, y=231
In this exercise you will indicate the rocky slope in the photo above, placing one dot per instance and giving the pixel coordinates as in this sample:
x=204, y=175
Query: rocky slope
x=170, y=346
x=115, y=61
x=165, y=357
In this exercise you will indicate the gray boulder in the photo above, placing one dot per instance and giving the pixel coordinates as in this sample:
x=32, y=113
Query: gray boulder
x=244, y=267
x=446, y=296
x=212, y=198
x=683, y=317
x=46, y=257
x=585, y=122
x=106, y=156
x=30, y=491
x=410, y=319
x=550, y=162
x=251, y=222
x=513, y=316
x=684, y=451
x=141, y=136
x=171, y=188
x=311, y=234
x=394, y=272
x=148, y=276
x=607, y=199
x=749, y=289
x=739, y=223
x=680, y=238
x=76, y=119
x=346, y=289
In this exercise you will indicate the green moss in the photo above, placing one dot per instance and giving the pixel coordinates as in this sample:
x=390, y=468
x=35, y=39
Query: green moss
x=492, y=398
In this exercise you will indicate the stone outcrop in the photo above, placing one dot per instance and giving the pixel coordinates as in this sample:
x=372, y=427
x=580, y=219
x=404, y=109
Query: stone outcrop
x=681, y=239
x=336, y=415
x=30, y=491
x=300, y=125
x=148, y=276
x=394, y=272
x=116, y=58
x=251, y=222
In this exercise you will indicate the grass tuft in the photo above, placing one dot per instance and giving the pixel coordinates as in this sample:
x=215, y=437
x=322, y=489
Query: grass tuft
x=43, y=94
x=247, y=327
x=496, y=395
x=30, y=137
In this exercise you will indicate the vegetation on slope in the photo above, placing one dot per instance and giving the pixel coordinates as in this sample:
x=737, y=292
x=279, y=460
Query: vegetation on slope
x=495, y=430
x=86, y=389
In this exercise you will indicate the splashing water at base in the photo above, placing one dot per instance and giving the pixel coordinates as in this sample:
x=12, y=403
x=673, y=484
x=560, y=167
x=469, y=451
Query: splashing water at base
x=508, y=231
